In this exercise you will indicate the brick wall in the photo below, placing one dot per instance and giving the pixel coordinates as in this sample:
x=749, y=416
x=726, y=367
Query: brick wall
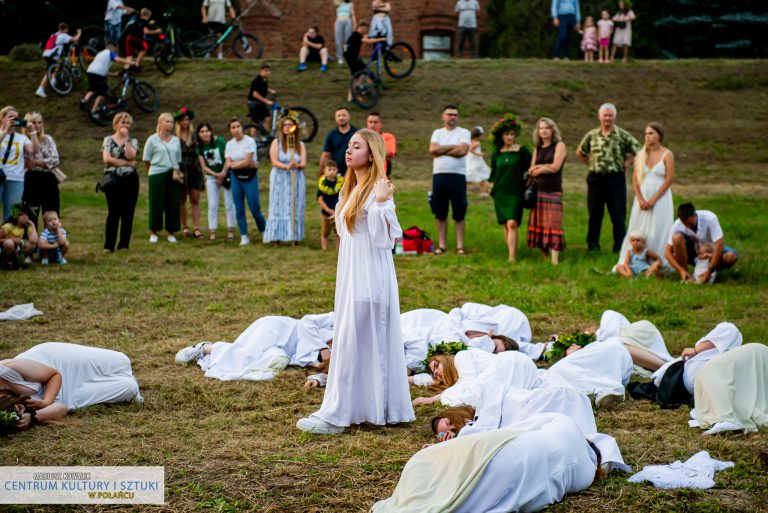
x=280, y=24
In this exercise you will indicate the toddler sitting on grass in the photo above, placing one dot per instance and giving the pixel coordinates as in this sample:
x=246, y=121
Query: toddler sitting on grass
x=639, y=259
x=704, y=257
x=53, y=243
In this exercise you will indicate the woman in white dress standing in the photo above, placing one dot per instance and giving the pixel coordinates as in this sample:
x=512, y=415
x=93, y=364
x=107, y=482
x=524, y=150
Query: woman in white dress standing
x=367, y=380
x=652, y=209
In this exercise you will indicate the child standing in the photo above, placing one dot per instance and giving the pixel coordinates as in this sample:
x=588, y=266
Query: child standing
x=328, y=188
x=703, y=259
x=477, y=170
x=622, y=21
x=589, y=39
x=639, y=259
x=604, y=31
x=53, y=243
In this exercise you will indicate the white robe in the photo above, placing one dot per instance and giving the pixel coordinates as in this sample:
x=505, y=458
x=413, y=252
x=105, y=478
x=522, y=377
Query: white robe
x=725, y=337
x=367, y=380
x=611, y=323
x=417, y=327
x=313, y=334
x=89, y=375
x=599, y=368
x=508, y=369
x=258, y=354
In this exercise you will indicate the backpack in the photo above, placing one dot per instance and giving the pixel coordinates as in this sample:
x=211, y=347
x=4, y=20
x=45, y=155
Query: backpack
x=51, y=43
x=416, y=240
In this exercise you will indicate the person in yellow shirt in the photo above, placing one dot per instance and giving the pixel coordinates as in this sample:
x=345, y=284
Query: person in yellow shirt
x=18, y=236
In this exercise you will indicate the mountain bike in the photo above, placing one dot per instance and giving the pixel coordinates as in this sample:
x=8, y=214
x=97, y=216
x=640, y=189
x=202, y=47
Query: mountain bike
x=243, y=46
x=144, y=95
x=399, y=60
x=71, y=64
x=306, y=121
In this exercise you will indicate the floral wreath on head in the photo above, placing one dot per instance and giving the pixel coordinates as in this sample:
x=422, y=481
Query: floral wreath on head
x=507, y=122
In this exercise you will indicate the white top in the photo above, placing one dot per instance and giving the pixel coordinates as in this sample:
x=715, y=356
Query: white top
x=114, y=14
x=467, y=10
x=313, y=334
x=61, y=39
x=707, y=228
x=101, y=62
x=217, y=10
x=236, y=150
x=445, y=137
x=604, y=28
x=14, y=166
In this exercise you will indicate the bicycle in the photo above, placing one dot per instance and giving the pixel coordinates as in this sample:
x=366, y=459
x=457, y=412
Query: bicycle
x=366, y=85
x=143, y=93
x=71, y=64
x=306, y=121
x=244, y=45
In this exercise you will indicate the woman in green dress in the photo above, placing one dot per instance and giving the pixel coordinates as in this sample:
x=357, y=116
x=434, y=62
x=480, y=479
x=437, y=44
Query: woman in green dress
x=509, y=164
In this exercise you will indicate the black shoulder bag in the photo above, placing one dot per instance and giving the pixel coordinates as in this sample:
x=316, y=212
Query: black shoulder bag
x=5, y=157
x=531, y=191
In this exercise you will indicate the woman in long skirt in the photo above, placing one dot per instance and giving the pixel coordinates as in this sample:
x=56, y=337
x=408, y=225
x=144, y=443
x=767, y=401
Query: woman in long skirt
x=367, y=380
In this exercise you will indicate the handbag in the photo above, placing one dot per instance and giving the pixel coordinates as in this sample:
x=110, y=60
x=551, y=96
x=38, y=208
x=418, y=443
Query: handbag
x=529, y=198
x=107, y=183
x=620, y=24
x=245, y=174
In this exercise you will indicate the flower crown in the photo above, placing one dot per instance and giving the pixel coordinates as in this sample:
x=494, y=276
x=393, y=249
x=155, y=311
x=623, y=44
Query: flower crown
x=505, y=123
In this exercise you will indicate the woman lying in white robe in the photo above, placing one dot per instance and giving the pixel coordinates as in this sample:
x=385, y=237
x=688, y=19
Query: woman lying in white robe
x=724, y=337
x=525, y=467
x=642, y=339
x=461, y=377
x=731, y=391
x=265, y=348
x=60, y=377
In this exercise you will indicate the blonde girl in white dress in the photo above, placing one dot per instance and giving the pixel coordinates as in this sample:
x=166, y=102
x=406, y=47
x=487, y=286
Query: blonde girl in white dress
x=367, y=379
x=652, y=210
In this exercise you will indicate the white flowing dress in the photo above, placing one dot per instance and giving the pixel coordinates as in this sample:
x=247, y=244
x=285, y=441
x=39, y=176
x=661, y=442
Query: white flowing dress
x=367, y=379
x=89, y=375
x=477, y=170
x=655, y=223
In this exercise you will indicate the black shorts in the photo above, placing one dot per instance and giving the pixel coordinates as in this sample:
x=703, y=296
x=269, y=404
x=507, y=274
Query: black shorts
x=314, y=55
x=217, y=27
x=449, y=187
x=258, y=111
x=355, y=65
x=49, y=61
x=97, y=84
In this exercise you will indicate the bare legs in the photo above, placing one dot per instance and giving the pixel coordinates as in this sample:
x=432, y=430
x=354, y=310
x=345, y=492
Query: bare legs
x=194, y=200
x=510, y=236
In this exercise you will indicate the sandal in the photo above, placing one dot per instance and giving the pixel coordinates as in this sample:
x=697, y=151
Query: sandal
x=460, y=251
x=185, y=231
x=196, y=233
x=212, y=236
x=230, y=236
x=440, y=251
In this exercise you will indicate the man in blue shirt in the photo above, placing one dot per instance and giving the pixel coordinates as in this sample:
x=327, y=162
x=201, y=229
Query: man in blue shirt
x=337, y=140
x=566, y=17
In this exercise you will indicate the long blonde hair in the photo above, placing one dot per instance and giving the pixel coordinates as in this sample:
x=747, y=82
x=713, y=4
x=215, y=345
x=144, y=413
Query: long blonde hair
x=450, y=373
x=373, y=173
x=642, y=156
x=190, y=138
x=160, y=118
x=34, y=116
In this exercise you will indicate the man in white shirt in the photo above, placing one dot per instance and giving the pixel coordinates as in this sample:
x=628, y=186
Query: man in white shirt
x=449, y=146
x=113, y=20
x=694, y=227
x=468, y=10
x=53, y=50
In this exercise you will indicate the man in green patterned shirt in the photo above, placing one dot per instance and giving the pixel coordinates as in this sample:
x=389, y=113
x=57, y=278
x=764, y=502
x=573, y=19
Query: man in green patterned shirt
x=608, y=151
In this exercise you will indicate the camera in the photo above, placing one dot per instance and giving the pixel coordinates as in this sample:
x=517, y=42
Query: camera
x=21, y=123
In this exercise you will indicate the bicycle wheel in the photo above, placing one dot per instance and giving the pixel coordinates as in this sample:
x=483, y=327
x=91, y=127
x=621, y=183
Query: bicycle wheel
x=164, y=59
x=105, y=112
x=60, y=78
x=365, y=89
x=145, y=95
x=247, y=46
x=307, y=122
x=399, y=60
x=85, y=57
x=196, y=44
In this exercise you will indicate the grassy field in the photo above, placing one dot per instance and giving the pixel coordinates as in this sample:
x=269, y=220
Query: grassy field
x=233, y=446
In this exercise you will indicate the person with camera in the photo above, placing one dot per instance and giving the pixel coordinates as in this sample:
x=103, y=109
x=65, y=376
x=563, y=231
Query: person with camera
x=13, y=145
x=119, y=152
x=41, y=181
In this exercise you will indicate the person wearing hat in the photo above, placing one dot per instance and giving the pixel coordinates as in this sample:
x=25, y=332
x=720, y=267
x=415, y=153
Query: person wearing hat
x=190, y=167
x=18, y=235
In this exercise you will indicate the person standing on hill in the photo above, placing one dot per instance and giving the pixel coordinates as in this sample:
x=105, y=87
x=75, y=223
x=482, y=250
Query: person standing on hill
x=608, y=151
x=468, y=10
x=344, y=25
x=449, y=146
x=215, y=18
x=113, y=20
x=566, y=17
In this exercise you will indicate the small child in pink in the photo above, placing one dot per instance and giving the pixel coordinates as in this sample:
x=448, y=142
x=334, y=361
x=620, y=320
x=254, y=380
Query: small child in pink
x=604, y=31
x=589, y=39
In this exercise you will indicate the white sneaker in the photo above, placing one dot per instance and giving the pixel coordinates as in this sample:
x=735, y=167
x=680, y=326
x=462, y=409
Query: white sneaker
x=44, y=261
x=318, y=427
x=28, y=260
x=604, y=400
x=172, y=239
x=244, y=240
x=153, y=239
x=220, y=56
x=41, y=92
x=190, y=353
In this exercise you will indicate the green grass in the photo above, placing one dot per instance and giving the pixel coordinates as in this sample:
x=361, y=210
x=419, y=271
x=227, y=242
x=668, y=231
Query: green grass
x=232, y=446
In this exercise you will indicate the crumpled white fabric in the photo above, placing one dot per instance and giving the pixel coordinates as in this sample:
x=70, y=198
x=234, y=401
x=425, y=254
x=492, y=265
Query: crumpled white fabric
x=696, y=472
x=20, y=312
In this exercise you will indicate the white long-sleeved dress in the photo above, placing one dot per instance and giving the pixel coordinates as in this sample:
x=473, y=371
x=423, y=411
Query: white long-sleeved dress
x=367, y=379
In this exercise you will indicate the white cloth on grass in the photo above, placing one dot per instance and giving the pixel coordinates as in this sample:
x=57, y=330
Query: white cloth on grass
x=698, y=471
x=89, y=375
x=20, y=312
x=367, y=379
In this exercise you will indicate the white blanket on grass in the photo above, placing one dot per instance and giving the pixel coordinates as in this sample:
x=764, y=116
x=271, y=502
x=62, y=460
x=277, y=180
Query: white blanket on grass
x=20, y=312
